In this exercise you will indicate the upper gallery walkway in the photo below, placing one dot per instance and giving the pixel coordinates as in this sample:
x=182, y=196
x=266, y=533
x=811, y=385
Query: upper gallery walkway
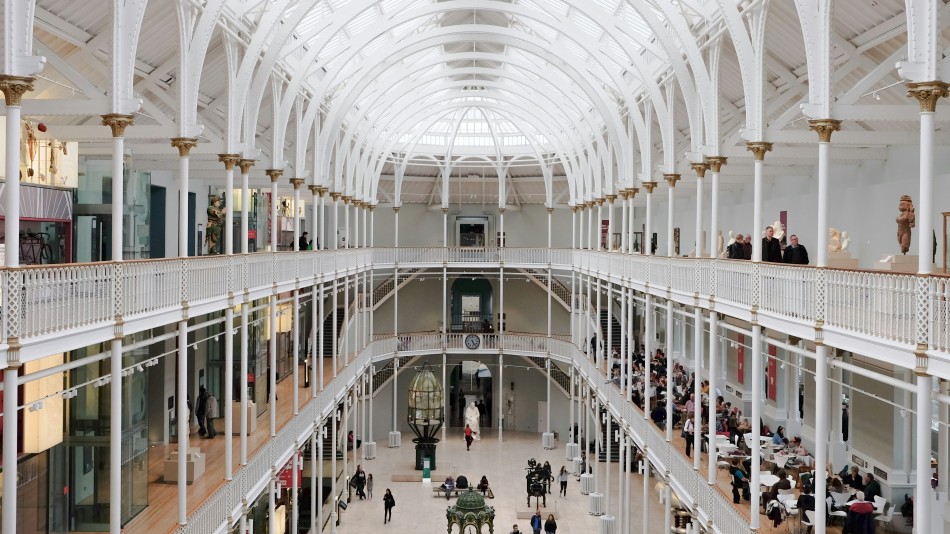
x=881, y=314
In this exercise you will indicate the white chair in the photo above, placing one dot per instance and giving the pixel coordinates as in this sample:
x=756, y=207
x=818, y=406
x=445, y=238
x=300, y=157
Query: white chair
x=885, y=518
x=809, y=520
x=790, y=503
x=832, y=514
x=793, y=482
x=879, y=503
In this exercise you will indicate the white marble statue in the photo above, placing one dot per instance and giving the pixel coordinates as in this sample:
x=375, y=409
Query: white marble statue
x=845, y=241
x=471, y=419
x=719, y=246
x=778, y=230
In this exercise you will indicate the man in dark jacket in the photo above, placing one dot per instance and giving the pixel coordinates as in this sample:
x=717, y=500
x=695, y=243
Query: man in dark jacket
x=771, y=249
x=795, y=253
x=302, y=243
x=871, y=487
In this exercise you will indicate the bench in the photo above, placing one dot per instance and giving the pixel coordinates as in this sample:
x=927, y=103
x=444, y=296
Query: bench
x=440, y=492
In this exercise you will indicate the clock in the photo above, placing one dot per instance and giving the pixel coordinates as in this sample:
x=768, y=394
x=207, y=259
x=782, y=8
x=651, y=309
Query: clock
x=472, y=341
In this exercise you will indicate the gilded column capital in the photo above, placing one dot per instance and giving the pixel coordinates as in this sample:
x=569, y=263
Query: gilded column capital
x=347, y=199
x=395, y=209
x=624, y=193
x=246, y=165
x=445, y=211
x=599, y=201
x=118, y=122
x=550, y=211
x=14, y=87
x=323, y=190
x=573, y=209
x=501, y=209
x=590, y=204
x=759, y=148
x=371, y=207
x=274, y=174
x=335, y=196
x=671, y=178
x=926, y=93
x=296, y=182
x=611, y=198
x=649, y=186
x=230, y=160
x=184, y=144
x=715, y=162
x=314, y=189
x=824, y=128
x=700, y=169
x=632, y=192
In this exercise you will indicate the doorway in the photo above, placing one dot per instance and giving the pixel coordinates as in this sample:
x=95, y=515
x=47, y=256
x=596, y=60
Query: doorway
x=470, y=381
x=471, y=304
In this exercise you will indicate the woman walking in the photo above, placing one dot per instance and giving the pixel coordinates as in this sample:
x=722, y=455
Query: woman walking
x=562, y=478
x=550, y=526
x=369, y=487
x=388, y=502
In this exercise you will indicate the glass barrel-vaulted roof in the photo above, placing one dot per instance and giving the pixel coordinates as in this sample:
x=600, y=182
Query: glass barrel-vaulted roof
x=348, y=36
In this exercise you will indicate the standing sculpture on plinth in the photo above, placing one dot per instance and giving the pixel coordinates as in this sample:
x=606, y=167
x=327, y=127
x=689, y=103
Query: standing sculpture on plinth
x=215, y=220
x=426, y=414
x=472, y=415
x=905, y=222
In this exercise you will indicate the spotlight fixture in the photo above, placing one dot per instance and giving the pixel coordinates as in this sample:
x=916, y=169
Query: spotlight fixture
x=139, y=368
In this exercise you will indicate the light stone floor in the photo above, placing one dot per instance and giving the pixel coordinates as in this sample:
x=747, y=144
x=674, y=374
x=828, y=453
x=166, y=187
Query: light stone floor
x=419, y=510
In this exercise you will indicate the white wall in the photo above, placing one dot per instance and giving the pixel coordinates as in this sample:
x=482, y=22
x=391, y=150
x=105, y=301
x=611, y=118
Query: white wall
x=420, y=306
x=420, y=227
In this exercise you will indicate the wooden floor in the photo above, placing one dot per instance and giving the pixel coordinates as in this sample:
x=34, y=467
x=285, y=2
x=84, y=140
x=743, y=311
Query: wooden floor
x=161, y=515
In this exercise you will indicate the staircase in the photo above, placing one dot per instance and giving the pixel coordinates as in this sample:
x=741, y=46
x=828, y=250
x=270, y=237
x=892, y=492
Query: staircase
x=562, y=293
x=559, y=377
x=615, y=447
x=327, y=330
x=615, y=333
x=385, y=289
x=385, y=373
x=328, y=442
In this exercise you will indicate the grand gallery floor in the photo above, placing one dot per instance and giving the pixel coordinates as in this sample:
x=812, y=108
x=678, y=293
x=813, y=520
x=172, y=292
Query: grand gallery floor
x=417, y=507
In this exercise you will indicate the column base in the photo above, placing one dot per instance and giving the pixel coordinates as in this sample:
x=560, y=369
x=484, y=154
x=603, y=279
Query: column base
x=547, y=441
x=395, y=439
x=597, y=504
x=573, y=451
x=587, y=483
x=369, y=450
x=607, y=524
x=576, y=463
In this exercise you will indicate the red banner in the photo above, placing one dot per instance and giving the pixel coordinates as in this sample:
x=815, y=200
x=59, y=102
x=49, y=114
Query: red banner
x=741, y=357
x=285, y=475
x=772, y=370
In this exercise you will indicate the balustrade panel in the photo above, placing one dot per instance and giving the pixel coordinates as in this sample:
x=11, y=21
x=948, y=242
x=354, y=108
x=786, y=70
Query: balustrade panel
x=150, y=286
x=207, y=277
x=940, y=313
x=57, y=299
x=881, y=305
x=788, y=290
x=734, y=281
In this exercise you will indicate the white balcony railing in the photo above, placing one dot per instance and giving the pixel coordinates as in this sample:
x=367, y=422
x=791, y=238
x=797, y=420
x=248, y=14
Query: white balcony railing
x=42, y=302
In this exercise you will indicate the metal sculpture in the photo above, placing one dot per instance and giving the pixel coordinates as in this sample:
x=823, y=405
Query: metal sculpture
x=426, y=414
x=537, y=480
